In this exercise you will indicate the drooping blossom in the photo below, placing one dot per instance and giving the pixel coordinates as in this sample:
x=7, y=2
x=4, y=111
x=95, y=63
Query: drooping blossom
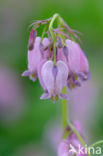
x=45, y=48
x=76, y=61
x=34, y=57
x=53, y=79
x=55, y=47
x=35, y=54
x=71, y=144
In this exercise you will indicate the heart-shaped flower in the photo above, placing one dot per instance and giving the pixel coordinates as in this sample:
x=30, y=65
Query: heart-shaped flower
x=53, y=79
x=34, y=58
x=76, y=61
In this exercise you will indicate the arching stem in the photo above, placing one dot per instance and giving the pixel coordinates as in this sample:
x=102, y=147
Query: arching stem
x=53, y=35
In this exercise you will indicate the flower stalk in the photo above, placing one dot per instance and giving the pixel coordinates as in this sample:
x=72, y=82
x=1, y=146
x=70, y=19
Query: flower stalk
x=64, y=111
x=53, y=35
x=59, y=63
x=65, y=119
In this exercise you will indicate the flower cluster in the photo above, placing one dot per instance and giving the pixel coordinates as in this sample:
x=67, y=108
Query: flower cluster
x=56, y=59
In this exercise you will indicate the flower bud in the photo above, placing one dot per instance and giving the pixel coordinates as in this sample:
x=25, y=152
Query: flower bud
x=45, y=48
x=32, y=37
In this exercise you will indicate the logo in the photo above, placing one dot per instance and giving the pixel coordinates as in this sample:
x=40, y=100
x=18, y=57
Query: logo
x=84, y=150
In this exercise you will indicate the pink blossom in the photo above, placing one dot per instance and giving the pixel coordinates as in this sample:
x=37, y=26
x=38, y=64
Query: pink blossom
x=77, y=61
x=34, y=57
x=74, y=57
x=37, y=51
x=64, y=148
x=45, y=48
x=53, y=79
x=77, y=64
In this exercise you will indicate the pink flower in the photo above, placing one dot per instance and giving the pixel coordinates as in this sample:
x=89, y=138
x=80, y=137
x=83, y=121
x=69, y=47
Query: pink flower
x=66, y=54
x=53, y=79
x=77, y=61
x=77, y=64
x=45, y=48
x=37, y=51
x=65, y=146
x=34, y=58
x=74, y=57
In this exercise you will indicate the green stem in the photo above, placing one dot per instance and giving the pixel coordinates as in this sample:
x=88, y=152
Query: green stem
x=44, y=30
x=51, y=25
x=96, y=143
x=66, y=121
x=77, y=134
x=64, y=110
x=52, y=34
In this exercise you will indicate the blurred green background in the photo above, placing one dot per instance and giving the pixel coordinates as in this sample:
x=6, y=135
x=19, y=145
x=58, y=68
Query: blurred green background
x=25, y=120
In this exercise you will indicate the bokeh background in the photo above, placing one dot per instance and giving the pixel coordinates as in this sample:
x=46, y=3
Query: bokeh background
x=29, y=126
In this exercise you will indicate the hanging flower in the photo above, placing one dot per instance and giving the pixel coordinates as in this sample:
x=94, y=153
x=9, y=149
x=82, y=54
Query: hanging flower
x=34, y=58
x=36, y=54
x=77, y=60
x=72, y=145
x=54, y=55
x=77, y=64
x=53, y=79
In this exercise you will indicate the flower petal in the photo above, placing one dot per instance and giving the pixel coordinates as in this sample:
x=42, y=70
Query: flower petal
x=47, y=76
x=34, y=56
x=61, y=78
x=39, y=74
x=45, y=96
x=63, y=96
x=46, y=44
x=73, y=56
x=26, y=73
x=84, y=66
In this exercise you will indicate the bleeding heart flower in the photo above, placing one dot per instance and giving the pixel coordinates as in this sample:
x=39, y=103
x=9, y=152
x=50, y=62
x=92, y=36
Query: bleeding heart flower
x=34, y=58
x=77, y=60
x=70, y=146
x=77, y=64
x=45, y=48
x=53, y=79
x=73, y=56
